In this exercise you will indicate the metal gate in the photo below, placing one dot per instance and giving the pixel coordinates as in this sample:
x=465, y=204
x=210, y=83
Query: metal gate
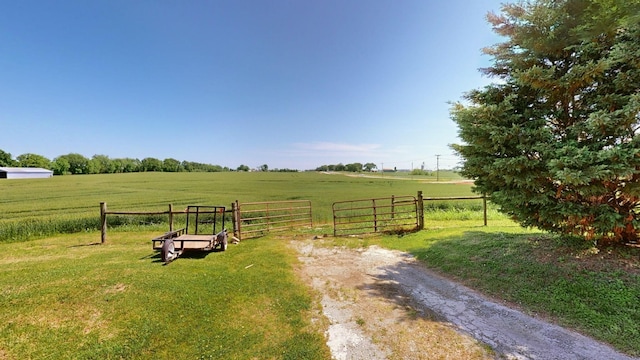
x=392, y=214
x=259, y=218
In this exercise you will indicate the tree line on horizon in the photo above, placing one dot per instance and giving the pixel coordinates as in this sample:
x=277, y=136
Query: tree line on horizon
x=75, y=164
x=353, y=167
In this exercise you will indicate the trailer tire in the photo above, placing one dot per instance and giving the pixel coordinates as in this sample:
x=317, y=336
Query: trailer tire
x=221, y=240
x=168, y=251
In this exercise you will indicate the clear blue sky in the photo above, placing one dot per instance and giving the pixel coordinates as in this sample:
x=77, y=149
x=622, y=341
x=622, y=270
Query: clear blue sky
x=287, y=83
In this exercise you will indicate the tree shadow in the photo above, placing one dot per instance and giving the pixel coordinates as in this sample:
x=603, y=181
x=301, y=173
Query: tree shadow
x=83, y=245
x=393, y=282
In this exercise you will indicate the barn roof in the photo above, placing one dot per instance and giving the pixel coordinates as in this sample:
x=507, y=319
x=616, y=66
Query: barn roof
x=24, y=170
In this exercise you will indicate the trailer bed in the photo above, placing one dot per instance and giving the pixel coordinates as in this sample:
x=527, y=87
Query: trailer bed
x=188, y=241
x=174, y=242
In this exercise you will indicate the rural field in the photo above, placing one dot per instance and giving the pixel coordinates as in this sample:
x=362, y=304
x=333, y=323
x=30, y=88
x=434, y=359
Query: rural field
x=66, y=204
x=64, y=295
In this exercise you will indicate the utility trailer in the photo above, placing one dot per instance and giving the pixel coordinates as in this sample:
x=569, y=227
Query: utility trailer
x=200, y=233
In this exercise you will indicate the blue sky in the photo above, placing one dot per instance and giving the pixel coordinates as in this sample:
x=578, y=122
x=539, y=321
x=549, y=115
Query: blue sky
x=290, y=84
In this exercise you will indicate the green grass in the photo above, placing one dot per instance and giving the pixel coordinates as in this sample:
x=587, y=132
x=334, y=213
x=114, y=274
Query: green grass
x=69, y=298
x=33, y=208
x=64, y=297
x=594, y=292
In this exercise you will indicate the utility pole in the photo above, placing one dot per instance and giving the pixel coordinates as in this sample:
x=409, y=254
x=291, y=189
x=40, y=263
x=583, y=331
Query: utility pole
x=437, y=167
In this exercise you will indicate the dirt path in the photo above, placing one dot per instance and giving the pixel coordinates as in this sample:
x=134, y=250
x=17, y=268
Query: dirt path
x=383, y=304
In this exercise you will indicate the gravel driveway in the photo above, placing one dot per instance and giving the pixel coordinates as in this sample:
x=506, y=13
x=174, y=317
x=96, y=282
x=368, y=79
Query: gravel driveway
x=383, y=304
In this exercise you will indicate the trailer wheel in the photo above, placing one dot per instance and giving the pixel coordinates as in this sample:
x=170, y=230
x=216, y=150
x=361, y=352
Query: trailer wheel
x=221, y=239
x=168, y=251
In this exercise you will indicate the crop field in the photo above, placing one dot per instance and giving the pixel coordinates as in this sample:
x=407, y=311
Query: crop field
x=34, y=208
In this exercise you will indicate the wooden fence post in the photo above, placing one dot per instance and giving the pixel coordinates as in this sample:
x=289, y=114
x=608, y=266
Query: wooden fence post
x=235, y=218
x=484, y=205
x=170, y=217
x=420, y=211
x=393, y=206
x=103, y=222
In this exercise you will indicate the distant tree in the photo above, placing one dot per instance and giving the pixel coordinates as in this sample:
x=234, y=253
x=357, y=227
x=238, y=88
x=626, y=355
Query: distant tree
x=128, y=165
x=101, y=164
x=60, y=166
x=150, y=164
x=93, y=167
x=117, y=165
x=419, y=172
x=370, y=166
x=355, y=167
x=339, y=167
x=33, y=160
x=186, y=165
x=171, y=165
x=322, y=168
x=243, y=168
x=6, y=159
x=264, y=167
x=78, y=164
x=214, y=168
x=556, y=142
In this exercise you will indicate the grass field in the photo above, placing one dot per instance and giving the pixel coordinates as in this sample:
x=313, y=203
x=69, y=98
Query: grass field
x=66, y=297
x=66, y=204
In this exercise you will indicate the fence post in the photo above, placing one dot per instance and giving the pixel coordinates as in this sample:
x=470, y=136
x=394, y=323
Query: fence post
x=335, y=220
x=484, y=206
x=170, y=217
x=375, y=216
x=393, y=206
x=420, y=211
x=103, y=222
x=235, y=215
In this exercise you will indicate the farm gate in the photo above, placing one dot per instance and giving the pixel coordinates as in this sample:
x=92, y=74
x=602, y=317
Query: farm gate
x=390, y=214
x=254, y=219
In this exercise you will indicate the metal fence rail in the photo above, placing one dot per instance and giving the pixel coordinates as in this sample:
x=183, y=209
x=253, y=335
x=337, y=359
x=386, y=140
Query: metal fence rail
x=254, y=219
x=259, y=218
x=395, y=213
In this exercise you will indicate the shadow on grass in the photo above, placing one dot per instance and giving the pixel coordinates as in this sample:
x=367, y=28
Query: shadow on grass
x=186, y=255
x=83, y=245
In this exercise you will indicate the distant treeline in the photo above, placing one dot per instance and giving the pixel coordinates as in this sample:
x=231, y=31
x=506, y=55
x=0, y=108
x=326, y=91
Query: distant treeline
x=354, y=167
x=101, y=164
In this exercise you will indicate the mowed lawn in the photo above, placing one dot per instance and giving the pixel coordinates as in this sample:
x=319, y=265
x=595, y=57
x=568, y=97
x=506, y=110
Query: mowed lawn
x=69, y=298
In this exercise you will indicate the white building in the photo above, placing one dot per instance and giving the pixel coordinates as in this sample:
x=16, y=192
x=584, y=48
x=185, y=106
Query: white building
x=24, y=173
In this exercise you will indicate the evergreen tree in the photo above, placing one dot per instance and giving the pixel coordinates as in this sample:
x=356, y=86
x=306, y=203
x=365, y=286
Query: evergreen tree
x=555, y=141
